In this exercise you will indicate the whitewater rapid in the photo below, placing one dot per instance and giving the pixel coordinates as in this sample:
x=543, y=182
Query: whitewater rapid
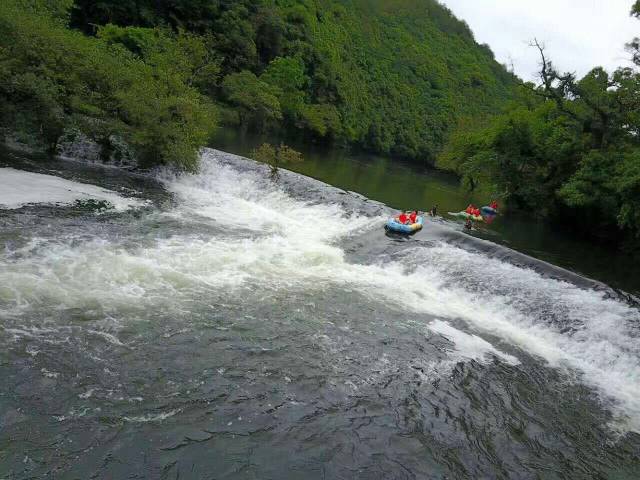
x=19, y=188
x=238, y=230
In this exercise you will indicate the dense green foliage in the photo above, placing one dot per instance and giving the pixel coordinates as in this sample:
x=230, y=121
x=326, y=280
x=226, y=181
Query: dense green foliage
x=391, y=76
x=569, y=149
x=54, y=80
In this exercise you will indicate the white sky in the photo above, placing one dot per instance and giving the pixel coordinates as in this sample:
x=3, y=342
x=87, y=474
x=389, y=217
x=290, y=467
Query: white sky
x=578, y=34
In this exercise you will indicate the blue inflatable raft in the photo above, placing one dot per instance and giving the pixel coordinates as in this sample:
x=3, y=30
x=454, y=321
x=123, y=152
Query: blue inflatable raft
x=394, y=226
x=488, y=211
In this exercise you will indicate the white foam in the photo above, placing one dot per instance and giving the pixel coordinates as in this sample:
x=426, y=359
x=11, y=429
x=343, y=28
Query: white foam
x=152, y=417
x=525, y=309
x=110, y=338
x=470, y=346
x=49, y=374
x=87, y=394
x=19, y=188
x=247, y=201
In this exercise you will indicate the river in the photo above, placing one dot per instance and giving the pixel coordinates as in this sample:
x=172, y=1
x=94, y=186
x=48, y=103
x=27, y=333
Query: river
x=222, y=325
x=405, y=185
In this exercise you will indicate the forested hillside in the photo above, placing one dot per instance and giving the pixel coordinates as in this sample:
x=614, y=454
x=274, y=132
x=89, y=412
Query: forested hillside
x=390, y=76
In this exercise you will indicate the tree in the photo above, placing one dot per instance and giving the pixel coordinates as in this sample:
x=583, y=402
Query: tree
x=592, y=188
x=634, y=45
x=53, y=79
x=270, y=35
x=627, y=185
x=572, y=148
x=554, y=86
x=58, y=10
x=256, y=100
x=287, y=75
x=189, y=57
x=322, y=120
x=275, y=157
x=235, y=38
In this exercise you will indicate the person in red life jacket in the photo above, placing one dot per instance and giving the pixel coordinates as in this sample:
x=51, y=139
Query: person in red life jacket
x=413, y=216
x=403, y=218
x=494, y=205
x=476, y=212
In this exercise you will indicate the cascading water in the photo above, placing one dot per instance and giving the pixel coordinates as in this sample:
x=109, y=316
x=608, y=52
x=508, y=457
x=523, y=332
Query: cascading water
x=221, y=325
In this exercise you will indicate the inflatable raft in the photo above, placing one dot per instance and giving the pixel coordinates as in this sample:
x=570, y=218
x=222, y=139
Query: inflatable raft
x=486, y=210
x=477, y=218
x=394, y=226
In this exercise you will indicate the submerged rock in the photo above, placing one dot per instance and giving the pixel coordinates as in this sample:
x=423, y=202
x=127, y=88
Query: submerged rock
x=24, y=142
x=120, y=153
x=112, y=150
x=75, y=145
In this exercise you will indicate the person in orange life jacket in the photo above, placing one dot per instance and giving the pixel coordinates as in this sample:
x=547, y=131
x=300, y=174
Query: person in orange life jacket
x=403, y=218
x=470, y=209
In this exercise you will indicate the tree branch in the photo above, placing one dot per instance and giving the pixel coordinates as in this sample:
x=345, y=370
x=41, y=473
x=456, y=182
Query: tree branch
x=549, y=76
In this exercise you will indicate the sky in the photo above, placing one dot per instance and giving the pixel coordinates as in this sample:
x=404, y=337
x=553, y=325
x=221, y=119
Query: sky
x=578, y=34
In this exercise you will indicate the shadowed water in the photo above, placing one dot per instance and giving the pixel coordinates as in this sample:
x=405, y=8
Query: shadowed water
x=232, y=327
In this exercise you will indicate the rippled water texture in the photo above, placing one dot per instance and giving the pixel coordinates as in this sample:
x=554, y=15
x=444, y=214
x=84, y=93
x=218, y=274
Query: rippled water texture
x=221, y=325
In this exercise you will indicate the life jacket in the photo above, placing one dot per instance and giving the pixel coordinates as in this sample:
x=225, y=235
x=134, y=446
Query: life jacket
x=494, y=205
x=402, y=218
x=413, y=217
x=476, y=212
x=469, y=209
